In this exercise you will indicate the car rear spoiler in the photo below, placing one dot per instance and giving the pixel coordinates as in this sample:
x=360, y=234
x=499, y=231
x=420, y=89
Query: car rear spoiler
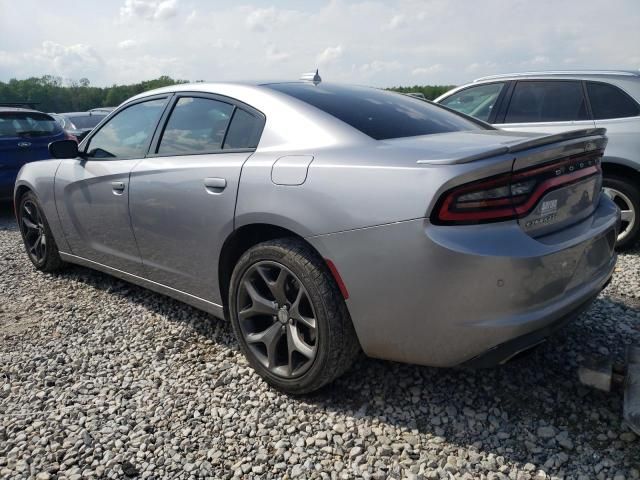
x=537, y=141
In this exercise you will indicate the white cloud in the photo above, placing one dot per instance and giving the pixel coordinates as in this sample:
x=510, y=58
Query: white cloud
x=265, y=19
x=127, y=44
x=329, y=55
x=149, y=9
x=397, y=21
x=430, y=70
x=274, y=55
x=360, y=41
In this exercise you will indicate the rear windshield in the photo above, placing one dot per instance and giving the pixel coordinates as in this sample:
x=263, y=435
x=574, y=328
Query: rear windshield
x=86, y=121
x=378, y=113
x=27, y=124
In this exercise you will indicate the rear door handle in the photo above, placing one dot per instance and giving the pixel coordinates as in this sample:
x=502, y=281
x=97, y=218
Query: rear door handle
x=215, y=184
x=118, y=187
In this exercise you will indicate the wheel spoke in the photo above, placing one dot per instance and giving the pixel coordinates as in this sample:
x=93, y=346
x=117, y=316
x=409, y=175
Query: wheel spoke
x=297, y=344
x=276, y=287
x=29, y=224
x=270, y=338
x=259, y=304
x=309, y=322
x=627, y=215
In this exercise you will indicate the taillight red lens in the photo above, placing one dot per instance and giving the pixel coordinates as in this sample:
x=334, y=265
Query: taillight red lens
x=511, y=195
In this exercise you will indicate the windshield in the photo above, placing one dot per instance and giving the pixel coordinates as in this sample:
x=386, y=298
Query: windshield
x=378, y=113
x=27, y=124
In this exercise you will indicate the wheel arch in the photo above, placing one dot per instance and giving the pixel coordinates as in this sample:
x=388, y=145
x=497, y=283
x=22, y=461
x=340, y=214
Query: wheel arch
x=614, y=167
x=241, y=240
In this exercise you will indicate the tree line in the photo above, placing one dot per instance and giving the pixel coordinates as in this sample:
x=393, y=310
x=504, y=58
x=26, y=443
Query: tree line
x=53, y=94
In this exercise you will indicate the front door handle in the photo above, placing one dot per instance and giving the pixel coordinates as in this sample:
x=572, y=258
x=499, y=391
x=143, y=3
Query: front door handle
x=118, y=187
x=215, y=184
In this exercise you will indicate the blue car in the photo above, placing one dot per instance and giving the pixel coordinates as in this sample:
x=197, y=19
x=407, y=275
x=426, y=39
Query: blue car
x=24, y=137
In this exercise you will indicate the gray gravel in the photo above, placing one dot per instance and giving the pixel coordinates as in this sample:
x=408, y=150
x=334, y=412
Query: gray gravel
x=105, y=379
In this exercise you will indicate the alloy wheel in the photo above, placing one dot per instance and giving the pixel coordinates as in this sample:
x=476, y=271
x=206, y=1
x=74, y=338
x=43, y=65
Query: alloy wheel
x=277, y=319
x=33, y=231
x=627, y=211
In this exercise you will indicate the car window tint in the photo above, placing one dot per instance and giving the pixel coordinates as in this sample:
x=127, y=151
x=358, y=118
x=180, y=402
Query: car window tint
x=548, y=101
x=378, y=113
x=475, y=101
x=244, y=131
x=608, y=101
x=27, y=124
x=196, y=125
x=128, y=133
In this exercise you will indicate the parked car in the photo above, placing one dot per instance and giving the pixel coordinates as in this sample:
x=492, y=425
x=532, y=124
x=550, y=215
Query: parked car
x=24, y=137
x=78, y=124
x=552, y=102
x=322, y=219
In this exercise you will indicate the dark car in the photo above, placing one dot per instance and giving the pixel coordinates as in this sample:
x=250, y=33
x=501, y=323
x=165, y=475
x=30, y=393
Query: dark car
x=78, y=124
x=25, y=135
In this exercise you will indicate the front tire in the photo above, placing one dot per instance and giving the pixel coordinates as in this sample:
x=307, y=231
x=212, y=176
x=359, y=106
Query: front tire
x=289, y=317
x=626, y=195
x=37, y=237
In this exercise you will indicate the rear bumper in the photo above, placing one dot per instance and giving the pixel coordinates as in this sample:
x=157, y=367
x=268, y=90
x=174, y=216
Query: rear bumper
x=442, y=296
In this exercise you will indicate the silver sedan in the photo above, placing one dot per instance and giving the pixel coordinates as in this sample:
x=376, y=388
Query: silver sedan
x=324, y=220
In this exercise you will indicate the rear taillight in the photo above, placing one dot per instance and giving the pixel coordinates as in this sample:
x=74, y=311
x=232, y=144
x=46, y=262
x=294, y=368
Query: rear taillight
x=68, y=136
x=511, y=195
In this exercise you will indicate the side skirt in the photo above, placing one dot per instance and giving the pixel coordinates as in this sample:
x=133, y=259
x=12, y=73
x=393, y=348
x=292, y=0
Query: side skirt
x=197, y=302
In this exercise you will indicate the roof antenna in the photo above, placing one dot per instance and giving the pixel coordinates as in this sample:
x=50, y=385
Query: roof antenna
x=311, y=77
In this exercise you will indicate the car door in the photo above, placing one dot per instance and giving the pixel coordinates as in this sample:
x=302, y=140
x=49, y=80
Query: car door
x=183, y=195
x=92, y=191
x=545, y=106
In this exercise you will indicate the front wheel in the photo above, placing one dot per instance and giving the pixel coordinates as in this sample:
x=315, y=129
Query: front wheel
x=289, y=316
x=626, y=195
x=36, y=235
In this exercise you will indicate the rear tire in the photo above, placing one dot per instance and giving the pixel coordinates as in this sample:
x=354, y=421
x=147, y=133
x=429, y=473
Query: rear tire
x=38, y=240
x=626, y=195
x=289, y=316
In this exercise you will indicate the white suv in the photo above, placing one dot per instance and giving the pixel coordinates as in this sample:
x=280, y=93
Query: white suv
x=552, y=102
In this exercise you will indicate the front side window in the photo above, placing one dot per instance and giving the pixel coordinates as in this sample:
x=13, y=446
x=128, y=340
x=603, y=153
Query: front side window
x=547, y=101
x=128, y=133
x=475, y=101
x=379, y=114
x=196, y=125
x=27, y=124
x=608, y=101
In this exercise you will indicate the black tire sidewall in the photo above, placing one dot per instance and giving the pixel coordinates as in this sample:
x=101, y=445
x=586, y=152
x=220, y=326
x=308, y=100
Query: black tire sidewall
x=308, y=277
x=51, y=258
x=632, y=191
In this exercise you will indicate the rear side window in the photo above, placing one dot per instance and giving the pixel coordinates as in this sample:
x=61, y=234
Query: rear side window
x=196, y=125
x=608, y=101
x=27, y=124
x=475, y=101
x=547, y=101
x=244, y=131
x=378, y=113
x=128, y=133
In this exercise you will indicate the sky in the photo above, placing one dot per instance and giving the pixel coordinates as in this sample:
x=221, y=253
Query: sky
x=379, y=43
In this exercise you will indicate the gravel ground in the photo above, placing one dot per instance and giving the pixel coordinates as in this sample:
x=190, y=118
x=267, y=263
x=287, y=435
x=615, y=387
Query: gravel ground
x=105, y=379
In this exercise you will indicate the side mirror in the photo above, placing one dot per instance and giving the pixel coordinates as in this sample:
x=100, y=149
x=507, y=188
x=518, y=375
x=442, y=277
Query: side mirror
x=64, y=149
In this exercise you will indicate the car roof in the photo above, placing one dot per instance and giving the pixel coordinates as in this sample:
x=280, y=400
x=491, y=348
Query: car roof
x=18, y=109
x=562, y=73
